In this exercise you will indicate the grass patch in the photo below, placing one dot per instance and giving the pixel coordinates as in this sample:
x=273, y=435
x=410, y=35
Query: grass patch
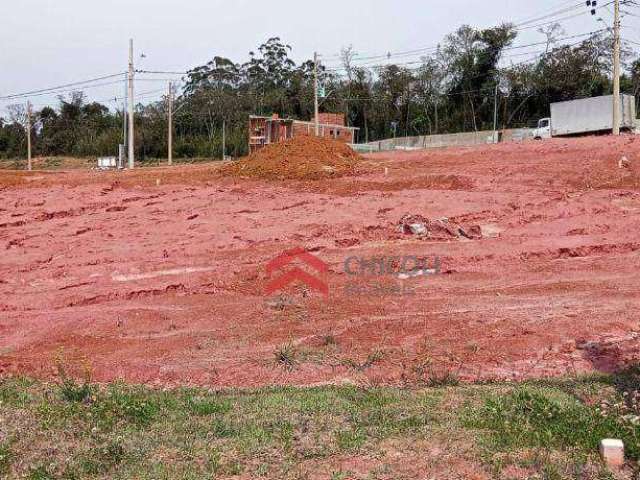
x=548, y=429
x=351, y=440
x=121, y=431
x=6, y=457
x=554, y=427
x=118, y=402
x=15, y=393
x=103, y=459
x=40, y=473
x=205, y=406
x=529, y=417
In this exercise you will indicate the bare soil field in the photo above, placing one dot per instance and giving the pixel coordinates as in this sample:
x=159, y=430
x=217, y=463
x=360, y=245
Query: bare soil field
x=158, y=276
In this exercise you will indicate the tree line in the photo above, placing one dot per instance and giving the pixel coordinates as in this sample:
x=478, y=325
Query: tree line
x=454, y=89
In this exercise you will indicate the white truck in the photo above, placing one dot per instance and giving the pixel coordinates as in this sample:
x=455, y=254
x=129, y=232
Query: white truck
x=588, y=115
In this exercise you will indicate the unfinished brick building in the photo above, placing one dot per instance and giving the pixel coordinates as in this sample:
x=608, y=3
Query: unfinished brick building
x=266, y=130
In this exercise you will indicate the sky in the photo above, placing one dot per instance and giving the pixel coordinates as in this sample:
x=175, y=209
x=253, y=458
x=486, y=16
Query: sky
x=46, y=43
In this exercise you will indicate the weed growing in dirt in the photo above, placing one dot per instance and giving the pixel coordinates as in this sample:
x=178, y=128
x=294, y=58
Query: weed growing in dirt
x=443, y=379
x=286, y=356
x=371, y=360
x=329, y=340
x=105, y=458
x=433, y=370
x=71, y=390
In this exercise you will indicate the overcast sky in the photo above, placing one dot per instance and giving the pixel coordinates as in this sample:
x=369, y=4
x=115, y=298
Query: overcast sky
x=47, y=43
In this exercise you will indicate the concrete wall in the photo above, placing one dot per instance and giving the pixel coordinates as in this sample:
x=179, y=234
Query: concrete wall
x=446, y=140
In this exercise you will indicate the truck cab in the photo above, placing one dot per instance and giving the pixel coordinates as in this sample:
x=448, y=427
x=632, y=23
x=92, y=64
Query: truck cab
x=543, y=130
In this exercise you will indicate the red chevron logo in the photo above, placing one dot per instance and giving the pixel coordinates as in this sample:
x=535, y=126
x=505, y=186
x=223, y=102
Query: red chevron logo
x=297, y=274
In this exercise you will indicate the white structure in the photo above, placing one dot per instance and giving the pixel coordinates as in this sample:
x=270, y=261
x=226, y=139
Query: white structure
x=612, y=452
x=105, y=163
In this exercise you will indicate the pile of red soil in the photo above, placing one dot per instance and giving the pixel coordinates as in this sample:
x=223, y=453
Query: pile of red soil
x=301, y=158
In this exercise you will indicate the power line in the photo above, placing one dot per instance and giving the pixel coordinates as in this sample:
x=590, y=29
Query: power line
x=551, y=22
x=52, y=89
x=561, y=11
x=561, y=5
x=161, y=72
x=506, y=49
x=524, y=25
x=69, y=90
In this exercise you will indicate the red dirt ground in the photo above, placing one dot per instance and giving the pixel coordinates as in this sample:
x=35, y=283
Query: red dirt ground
x=158, y=275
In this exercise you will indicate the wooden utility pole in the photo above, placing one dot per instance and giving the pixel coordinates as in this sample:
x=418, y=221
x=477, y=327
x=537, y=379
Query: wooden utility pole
x=29, y=166
x=132, y=138
x=315, y=94
x=170, y=132
x=616, y=69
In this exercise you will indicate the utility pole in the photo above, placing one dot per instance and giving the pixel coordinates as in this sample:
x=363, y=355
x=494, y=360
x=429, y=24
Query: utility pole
x=495, y=116
x=124, y=114
x=315, y=94
x=29, y=166
x=170, y=133
x=132, y=138
x=224, y=140
x=436, y=109
x=616, y=69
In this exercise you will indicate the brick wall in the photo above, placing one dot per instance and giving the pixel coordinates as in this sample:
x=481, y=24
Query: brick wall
x=300, y=128
x=332, y=119
x=342, y=134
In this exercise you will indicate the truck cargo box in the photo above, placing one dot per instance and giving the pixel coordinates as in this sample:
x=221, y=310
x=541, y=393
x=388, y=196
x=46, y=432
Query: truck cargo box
x=590, y=115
